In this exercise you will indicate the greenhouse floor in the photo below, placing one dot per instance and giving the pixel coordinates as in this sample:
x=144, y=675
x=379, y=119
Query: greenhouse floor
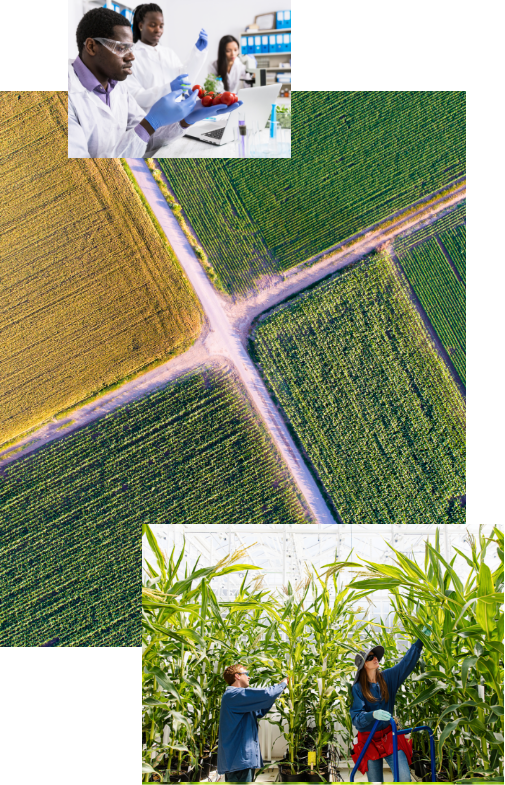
x=270, y=775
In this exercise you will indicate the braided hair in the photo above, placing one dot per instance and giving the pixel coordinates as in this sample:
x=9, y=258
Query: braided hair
x=140, y=12
x=98, y=23
x=222, y=62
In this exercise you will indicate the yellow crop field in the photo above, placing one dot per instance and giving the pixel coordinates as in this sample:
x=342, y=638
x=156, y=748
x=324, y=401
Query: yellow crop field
x=89, y=291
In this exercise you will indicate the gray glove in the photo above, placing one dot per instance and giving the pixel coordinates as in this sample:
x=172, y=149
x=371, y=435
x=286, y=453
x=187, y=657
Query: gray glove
x=384, y=716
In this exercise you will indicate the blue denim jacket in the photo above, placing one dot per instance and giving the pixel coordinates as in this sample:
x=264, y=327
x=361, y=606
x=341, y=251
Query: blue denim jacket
x=241, y=707
x=362, y=710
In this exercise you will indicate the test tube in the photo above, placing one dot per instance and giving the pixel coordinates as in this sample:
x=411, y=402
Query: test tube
x=241, y=139
x=273, y=123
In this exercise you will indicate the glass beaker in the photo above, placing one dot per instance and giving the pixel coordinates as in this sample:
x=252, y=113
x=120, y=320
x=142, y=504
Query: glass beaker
x=284, y=143
x=268, y=147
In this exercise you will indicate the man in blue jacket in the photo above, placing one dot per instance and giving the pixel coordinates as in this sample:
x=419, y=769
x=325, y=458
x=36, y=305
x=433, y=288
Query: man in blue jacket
x=242, y=706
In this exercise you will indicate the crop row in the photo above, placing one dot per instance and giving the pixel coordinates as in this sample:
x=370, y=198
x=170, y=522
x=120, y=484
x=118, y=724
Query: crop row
x=374, y=153
x=193, y=453
x=368, y=397
x=90, y=291
x=75, y=585
x=456, y=218
x=433, y=259
x=454, y=241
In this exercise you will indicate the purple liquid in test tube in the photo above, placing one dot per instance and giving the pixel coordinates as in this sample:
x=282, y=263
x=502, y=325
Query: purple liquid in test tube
x=241, y=138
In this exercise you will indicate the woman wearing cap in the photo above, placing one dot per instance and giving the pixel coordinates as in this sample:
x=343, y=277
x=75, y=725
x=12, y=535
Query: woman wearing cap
x=374, y=693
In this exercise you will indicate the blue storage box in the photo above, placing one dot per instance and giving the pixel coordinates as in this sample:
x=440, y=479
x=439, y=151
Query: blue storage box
x=279, y=43
x=272, y=47
x=286, y=42
x=127, y=14
x=280, y=20
x=257, y=44
x=250, y=44
x=287, y=19
x=264, y=44
x=243, y=44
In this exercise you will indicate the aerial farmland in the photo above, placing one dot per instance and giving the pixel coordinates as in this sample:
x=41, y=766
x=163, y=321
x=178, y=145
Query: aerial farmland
x=256, y=342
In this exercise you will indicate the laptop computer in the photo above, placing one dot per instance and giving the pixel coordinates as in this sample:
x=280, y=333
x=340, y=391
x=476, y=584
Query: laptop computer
x=257, y=104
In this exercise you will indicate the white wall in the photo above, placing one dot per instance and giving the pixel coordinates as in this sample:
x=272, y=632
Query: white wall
x=183, y=20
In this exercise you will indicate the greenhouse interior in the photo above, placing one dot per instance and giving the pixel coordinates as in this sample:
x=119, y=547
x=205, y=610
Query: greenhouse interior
x=292, y=606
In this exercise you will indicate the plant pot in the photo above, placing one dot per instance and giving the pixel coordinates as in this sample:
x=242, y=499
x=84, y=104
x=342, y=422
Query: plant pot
x=183, y=776
x=204, y=767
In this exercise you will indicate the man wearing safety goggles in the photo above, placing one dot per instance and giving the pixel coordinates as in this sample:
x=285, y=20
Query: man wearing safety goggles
x=242, y=706
x=104, y=120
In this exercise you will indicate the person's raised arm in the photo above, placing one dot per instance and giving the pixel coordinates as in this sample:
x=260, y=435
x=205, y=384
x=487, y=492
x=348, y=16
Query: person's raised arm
x=248, y=699
x=396, y=675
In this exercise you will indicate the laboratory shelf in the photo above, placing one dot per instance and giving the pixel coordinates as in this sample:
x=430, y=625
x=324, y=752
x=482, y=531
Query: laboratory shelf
x=264, y=32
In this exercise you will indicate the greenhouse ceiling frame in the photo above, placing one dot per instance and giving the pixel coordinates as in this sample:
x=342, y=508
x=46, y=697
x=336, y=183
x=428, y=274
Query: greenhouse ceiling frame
x=281, y=548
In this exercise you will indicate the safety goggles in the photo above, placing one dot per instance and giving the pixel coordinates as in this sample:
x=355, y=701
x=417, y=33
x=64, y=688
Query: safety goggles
x=116, y=47
x=242, y=673
x=371, y=657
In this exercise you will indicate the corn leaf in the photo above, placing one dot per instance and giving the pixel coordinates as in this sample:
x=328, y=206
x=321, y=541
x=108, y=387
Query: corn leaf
x=468, y=663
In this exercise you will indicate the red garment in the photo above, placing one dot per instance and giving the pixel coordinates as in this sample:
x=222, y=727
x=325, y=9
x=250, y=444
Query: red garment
x=380, y=746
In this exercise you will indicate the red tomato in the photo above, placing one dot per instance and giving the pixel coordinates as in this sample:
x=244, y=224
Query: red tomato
x=227, y=98
x=211, y=93
x=206, y=100
x=235, y=98
x=217, y=100
x=196, y=87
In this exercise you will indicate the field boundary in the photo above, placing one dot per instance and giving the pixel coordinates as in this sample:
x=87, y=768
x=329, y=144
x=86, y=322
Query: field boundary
x=228, y=337
x=428, y=326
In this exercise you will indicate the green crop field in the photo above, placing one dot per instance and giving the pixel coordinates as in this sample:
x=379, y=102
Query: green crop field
x=433, y=260
x=193, y=452
x=367, y=396
x=358, y=158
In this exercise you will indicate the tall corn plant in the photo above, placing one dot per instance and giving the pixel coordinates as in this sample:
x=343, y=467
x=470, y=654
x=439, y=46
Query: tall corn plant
x=174, y=618
x=459, y=689
x=309, y=641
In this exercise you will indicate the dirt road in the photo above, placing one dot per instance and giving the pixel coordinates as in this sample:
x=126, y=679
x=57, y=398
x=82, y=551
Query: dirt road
x=225, y=334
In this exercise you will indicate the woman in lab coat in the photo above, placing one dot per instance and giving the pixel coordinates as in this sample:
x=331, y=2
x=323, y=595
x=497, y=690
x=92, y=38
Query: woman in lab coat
x=158, y=70
x=228, y=64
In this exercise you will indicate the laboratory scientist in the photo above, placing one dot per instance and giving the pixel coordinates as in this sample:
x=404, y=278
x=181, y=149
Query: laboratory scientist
x=104, y=120
x=157, y=67
x=228, y=65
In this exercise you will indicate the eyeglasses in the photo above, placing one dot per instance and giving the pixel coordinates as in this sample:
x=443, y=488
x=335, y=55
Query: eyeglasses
x=116, y=47
x=371, y=657
x=242, y=673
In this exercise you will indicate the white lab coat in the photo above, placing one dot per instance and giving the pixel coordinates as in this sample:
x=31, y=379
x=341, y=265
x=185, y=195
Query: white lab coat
x=237, y=73
x=96, y=130
x=155, y=67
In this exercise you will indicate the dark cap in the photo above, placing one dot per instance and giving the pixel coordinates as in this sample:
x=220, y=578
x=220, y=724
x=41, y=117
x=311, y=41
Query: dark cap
x=360, y=658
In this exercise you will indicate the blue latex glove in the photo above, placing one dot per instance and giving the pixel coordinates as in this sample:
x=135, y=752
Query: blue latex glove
x=167, y=110
x=180, y=82
x=381, y=715
x=203, y=40
x=203, y=112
